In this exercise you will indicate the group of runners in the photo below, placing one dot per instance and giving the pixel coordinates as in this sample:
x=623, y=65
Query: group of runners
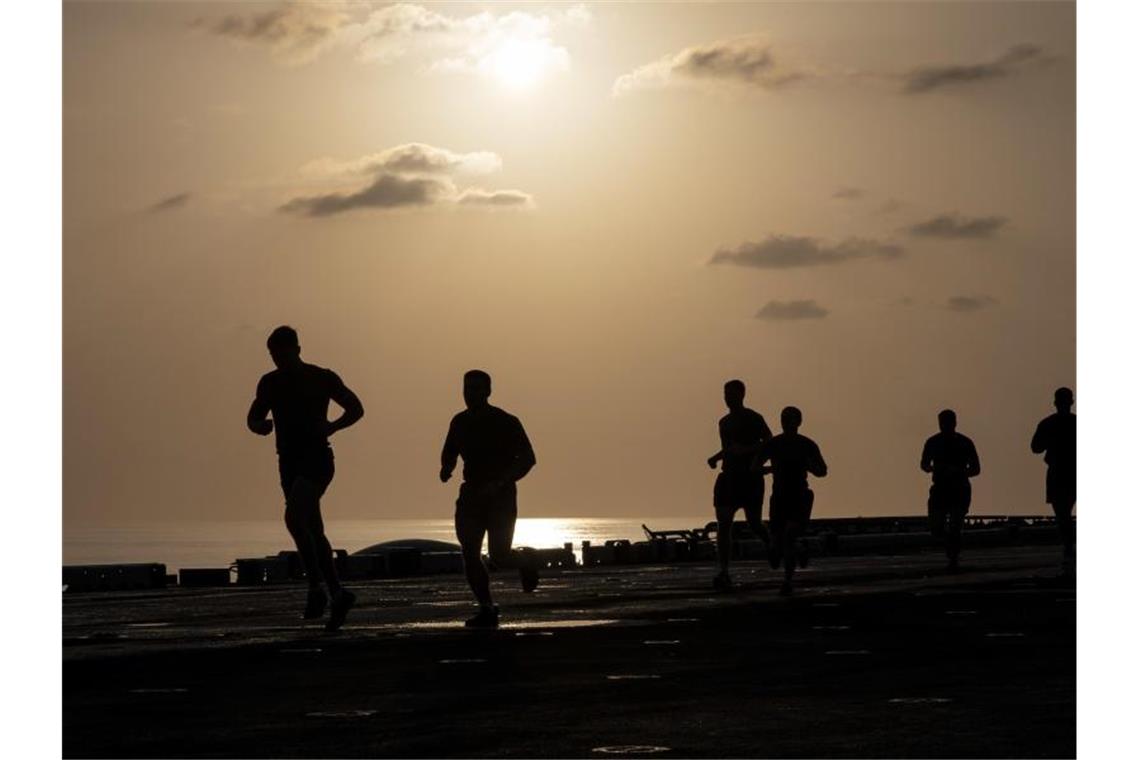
x=293, y=401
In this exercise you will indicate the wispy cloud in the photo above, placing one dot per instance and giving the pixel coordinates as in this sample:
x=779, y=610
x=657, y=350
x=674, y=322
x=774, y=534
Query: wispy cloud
x=170, y=203
x=405, y=176
x=889, y=206
x=956, y=227
x=789, y=251
x=929, y=78
x=970, y=303
x=791, y=310
x=386, y=191
x=295, y=32
x=848, y=193
x=299, y=32
x=740, y=62
x=416, y=158
x=502, y=198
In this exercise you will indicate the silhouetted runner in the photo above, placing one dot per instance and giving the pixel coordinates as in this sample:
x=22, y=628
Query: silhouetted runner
x=739, y=485
x=953, y=460
x=297, y=395
x=793, y=458
x=496, y=454
x=1056, y=437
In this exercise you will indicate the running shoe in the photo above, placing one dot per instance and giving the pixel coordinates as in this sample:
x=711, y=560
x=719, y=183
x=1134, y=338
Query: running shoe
x=315, y=604
x=528, y=570
x=721, y=581
x=487, y=617
x=342, y=602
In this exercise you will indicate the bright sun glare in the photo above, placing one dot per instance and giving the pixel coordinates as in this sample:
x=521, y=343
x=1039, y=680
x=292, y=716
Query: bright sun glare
x=519, y=64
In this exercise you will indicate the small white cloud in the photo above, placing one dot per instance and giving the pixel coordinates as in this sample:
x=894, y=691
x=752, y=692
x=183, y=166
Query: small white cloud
x=501, y=198
x=405, y=176
x=414, y=158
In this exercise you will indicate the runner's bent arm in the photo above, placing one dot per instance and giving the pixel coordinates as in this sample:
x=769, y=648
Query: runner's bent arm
x=715, y=458
x=353, y=409
x=927, y=461
x=973, y=464
x=257, y=420
x=816, y=465
x=450, y=454
x=524, y=458
x=1040, y=440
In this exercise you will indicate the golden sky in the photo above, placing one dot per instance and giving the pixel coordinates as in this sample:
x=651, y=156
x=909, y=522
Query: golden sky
x=865, y=210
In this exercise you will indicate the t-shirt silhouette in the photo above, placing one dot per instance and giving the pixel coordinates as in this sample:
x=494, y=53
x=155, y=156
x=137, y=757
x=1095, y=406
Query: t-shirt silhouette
x=793, y=457
x=298, y=398
x=490, y=442
x=741, y=427
x=1057, y=436
x=952, y=457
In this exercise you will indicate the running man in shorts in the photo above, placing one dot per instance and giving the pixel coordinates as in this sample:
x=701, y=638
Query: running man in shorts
x=952, y=460
x=1056, y=437
x=793, y=457
x=496, y=454
x=297, y=395
x=739, y=485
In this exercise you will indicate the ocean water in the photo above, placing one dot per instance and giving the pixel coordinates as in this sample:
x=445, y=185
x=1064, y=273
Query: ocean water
x=218, y=544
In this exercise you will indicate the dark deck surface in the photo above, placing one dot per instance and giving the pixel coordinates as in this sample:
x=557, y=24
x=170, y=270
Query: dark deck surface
x=873, y=657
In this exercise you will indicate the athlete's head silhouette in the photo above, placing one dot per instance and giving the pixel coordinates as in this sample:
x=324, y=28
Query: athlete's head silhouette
x=790, y=419
x=1063, y=399
x=476, y=388
x=734, y=394
x=284, y=346
x=947, y=421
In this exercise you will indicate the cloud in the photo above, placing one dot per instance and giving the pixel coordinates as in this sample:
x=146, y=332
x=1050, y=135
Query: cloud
x=295, y=32
x=848, y=194
x=386, y=191
x=501, y=198
x=929, y=78
x=789, y=310
x=516, y=47
x=743, y=62
x=299, y=32
x=416, y=158
x=788, y=251
x=889, y=206
x=170, y=203
x=969, y=303
x=955, y=227
x=409, y=175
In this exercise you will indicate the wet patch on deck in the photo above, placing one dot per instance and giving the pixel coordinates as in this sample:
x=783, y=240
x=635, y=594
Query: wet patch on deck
x=631, y=749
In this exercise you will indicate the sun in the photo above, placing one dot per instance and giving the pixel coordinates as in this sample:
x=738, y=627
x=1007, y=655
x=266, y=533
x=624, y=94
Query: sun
x=520, y=64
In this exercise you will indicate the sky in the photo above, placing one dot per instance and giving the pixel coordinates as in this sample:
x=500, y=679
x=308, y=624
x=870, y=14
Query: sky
x=865, y=210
